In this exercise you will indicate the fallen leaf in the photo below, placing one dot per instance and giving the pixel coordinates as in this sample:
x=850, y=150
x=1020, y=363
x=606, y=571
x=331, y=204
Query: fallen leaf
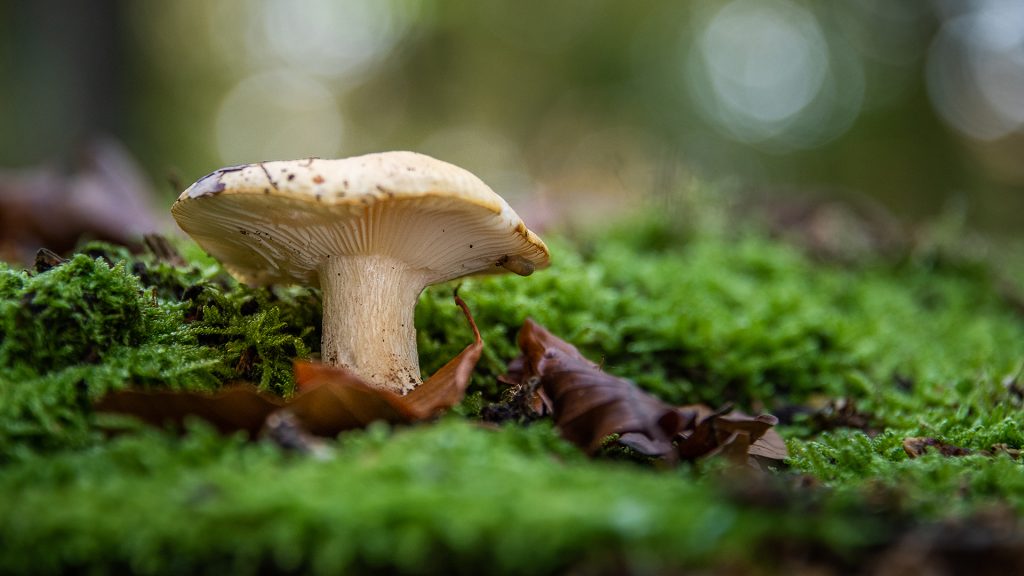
x=47, y=259
x=334, y=399
x=919, y=446
x=770, y=446
x=822, y=414
x=713, y=430
x=239, y=407
x=331, y=399
x=522, y=402
x=1003, y=448
x=589, y=406
x=447, y=387
x=105, y=197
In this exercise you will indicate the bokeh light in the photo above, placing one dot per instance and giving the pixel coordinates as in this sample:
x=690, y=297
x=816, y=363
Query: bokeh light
x=764, y=73
x=912, y=103
x=327, y=37
x=495, y=158
x=976, y=70
x=278, y=115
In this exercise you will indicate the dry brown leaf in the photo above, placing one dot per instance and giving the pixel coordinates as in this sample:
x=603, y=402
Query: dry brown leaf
x=331, y=399
x=916, y=447
x=105, y=197
x=724, y=432
x=589, y=405
x=446, y=387
x=239, y=407
x=334, y=399
x=770, y=446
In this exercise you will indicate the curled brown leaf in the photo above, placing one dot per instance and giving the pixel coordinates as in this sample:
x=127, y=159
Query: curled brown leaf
x=714, y=429
x=240, y=407
x=106, y=197
x=331, y=399
x=589, y=406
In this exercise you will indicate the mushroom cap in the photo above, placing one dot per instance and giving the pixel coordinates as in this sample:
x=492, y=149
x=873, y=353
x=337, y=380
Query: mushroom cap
x=277, y=222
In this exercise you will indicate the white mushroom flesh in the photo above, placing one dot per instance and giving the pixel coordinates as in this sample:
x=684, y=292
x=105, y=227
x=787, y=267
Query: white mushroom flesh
x=369, y=320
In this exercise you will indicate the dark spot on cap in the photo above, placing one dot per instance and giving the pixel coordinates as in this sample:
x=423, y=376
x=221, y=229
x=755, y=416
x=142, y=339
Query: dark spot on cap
x=267, y=174
x=266, y=190
x=207, y=185
x=235, y=168
x=318, y=196
x=291, y=177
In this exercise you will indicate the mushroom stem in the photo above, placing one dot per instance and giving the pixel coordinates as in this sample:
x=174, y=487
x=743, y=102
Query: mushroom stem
x=369, y=312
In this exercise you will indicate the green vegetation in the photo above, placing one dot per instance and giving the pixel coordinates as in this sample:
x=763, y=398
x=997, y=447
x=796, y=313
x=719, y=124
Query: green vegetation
x=926, y=344
x=78, y=330
x=435, y=499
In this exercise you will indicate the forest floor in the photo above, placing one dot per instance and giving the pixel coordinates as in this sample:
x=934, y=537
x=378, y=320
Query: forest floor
x=893, y=363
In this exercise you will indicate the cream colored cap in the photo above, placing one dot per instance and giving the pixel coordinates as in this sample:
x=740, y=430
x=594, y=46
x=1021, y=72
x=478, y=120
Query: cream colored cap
x=276, y=222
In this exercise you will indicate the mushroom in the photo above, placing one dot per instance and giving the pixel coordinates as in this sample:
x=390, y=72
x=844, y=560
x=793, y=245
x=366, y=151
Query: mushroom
x=372, y=231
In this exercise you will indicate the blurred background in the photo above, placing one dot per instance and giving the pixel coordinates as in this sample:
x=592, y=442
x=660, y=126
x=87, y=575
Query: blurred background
x=569, y=109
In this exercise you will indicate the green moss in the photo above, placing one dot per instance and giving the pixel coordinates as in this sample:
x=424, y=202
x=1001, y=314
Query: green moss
x=11, y=282
x=72, y=314
x=928, y=344
x=931, y=486
x=105, y=320
x=741, y=319
x=445, y=498
x=258, y=332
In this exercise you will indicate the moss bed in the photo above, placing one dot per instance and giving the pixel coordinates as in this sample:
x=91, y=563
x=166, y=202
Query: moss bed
x=854, y=357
